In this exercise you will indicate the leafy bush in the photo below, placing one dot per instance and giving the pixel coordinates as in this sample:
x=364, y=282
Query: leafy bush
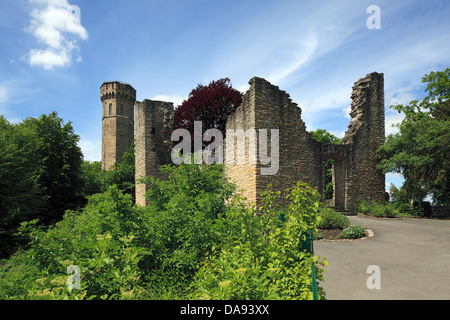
x=352, y=232
x=362, y=206
x=258, y=258
x=16, y=275
x=183, y=213
x=388, y=209
x=98, y=241
x=192, y=241
x=124, y=251
x=330, y=219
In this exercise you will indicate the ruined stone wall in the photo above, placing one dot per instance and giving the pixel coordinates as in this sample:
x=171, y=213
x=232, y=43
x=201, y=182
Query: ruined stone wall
x=365, y=134
x=301, y=158
x=154, y=126
x=265, y=106
x=242, y=174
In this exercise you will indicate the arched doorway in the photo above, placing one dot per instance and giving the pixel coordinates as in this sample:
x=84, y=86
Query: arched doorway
x=339, y=171
x=337, y=157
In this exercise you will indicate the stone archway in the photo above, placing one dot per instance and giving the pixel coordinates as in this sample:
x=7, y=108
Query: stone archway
x=340, y=184
x=340, y=174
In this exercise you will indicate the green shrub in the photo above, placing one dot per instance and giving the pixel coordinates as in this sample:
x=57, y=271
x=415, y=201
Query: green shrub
x=182, y=227
x=362, y=207
x=352, y=232
x=124, y=251
x=191, y=242
x=16, y=276
x=388, y=209
x=330, y=219
x=98, y=241
x=258, y=258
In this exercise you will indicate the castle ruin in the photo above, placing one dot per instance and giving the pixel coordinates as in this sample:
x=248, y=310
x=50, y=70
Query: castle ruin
x=264, y=106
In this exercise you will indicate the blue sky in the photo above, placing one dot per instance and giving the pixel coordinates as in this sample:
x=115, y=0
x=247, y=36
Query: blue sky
x=54, y=57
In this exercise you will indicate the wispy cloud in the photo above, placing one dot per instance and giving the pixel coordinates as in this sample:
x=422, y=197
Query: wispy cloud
x=57, y=25
x=176, y=99
x=297, y=56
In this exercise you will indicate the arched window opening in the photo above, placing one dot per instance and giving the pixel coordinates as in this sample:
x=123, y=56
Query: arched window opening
x=122, y=110
x=110, y=109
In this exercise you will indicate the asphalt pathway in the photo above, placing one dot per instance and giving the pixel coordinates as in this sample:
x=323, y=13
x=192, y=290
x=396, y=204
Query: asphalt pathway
x=413, y=256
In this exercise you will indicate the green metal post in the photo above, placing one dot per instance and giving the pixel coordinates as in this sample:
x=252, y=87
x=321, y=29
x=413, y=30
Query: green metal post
x=310, y=244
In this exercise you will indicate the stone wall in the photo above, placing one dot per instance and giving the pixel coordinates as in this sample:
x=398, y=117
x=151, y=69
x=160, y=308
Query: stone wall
x=299, y=155
x=366, y=133
x=154, y=126
x=264, y=107
x=301, y=158
x=242, y=174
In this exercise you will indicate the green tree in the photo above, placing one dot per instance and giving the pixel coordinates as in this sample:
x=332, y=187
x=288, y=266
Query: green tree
x=58, y=173
x=420, y=151
x=99, y=240
x=20, y=196
x=40, y=174
x=122, y=174
x=398, y=195
x=92, y=176
x=323, y=136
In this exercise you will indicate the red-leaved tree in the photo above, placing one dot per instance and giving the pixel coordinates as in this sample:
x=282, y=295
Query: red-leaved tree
x=210, y=104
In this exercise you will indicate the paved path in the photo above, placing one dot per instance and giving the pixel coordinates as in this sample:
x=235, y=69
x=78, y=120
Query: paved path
x=413, y=256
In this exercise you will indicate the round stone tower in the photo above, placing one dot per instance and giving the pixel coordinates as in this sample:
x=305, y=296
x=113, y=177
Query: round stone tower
x=118, y=100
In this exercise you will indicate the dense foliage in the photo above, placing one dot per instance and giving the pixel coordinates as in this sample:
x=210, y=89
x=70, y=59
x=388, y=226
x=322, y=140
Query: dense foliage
x=352, y=232
x=121, y=174
x=330, y=219
x=389, y=209
x=195, y=241
x=260, y=257
x=40, y=174
x=420, y=151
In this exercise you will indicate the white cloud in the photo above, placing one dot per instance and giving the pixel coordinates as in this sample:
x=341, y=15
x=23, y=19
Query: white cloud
x=91, y=149
x=244, y=88
x=176, y=99
x=48, y=59
x=5, y=97
x=391, y=120
x=338, y=134
x=298, y=55
x=56, y=24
